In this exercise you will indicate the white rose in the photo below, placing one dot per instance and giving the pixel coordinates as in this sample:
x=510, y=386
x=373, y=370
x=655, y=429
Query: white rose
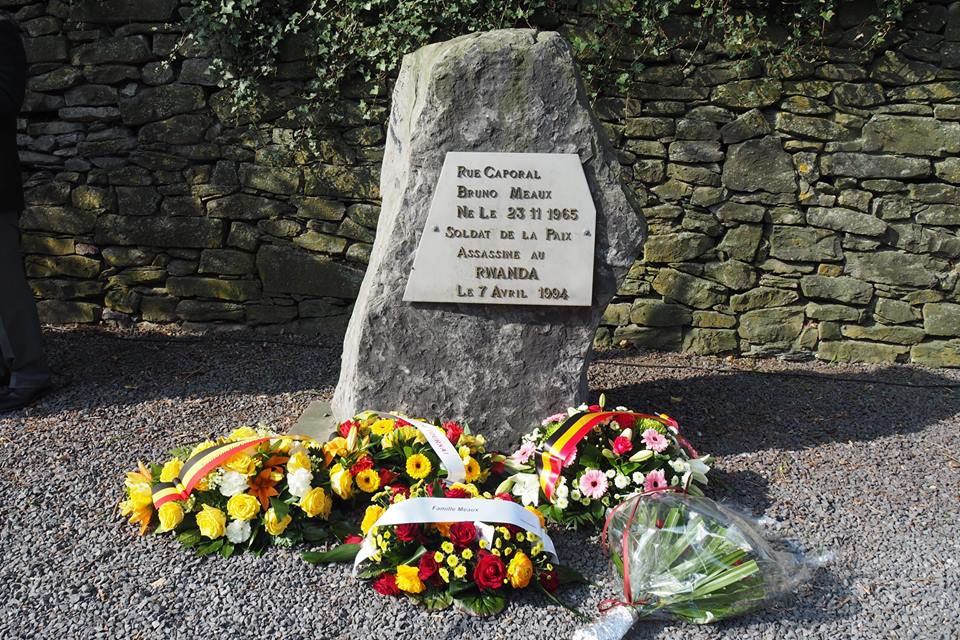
x=233, y=483
x=638, y=478
x=299, y=482
x=238, y=531
x=562, y=490
x=611, y=473
x=621, y=481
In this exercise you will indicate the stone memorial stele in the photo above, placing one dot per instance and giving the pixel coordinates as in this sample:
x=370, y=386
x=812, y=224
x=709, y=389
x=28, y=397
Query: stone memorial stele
x=505, y=230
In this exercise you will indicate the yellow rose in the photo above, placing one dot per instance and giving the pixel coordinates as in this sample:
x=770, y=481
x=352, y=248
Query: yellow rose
x=368, y=480
x=520, y=570
x=382, y=427
x=274, y=525
x=203, y=446
x=299, y=460
x=242, y=433
x=370, y=517
x=141, y=496
x=243, y=506
x=242, y=464
x=341, y=482
x=316, y=502
x=283, y=444
x=170, y=514
x=418, y=466
x=171, y=470
x=408, y=579
x=472, y=467
x=211, y=522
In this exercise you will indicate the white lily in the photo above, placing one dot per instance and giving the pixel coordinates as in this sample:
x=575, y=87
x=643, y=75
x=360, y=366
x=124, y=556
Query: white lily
x=526, y=486
x=640, y=456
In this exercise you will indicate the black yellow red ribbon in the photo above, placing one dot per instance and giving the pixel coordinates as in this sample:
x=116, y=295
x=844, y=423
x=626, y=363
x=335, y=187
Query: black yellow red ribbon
x=196, y=467
x=561, y=443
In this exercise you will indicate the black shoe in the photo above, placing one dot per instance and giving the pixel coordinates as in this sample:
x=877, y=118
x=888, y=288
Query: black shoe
x=21, y=397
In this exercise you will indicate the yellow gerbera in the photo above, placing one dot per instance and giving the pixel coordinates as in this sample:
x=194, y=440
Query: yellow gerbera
x=472, y=467
x=368, y=480
x=370, y=517
x=382, y=427
x=418, y=466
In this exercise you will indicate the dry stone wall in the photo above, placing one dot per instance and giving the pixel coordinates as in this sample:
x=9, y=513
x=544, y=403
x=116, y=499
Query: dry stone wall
x=802, y=208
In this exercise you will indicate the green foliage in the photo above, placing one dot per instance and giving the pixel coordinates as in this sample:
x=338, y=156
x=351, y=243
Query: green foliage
x=356, y=46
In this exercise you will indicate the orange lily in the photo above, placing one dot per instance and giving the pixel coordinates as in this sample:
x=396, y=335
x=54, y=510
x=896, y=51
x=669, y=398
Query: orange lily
x=264, y=484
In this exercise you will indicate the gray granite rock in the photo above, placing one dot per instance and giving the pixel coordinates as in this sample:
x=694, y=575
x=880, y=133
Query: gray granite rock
x=508, y=91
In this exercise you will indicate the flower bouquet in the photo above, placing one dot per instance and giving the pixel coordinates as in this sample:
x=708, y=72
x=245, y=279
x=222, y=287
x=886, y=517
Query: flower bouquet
x=243, y=492
x=579, y=463
x=461, y=549
x=378, y=451
x=688, y=558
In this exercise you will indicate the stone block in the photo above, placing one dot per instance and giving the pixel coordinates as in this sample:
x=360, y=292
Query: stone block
x=942, y=319
x=762, y=297
x=187, y=128
x=63, y=312
x=777, y=325
x=713, y=320
x=655, y=338
x=279, y=180
x=320, y=208
x=708, y=342
x=911, y=135
x=197, y=233
x=833, y=312
x=321, y=242
x=847, y=220
x=158, y=308
x=226, y=262
x=759, y=165
x=840, y=288
x=747, y=94
x=811, y=127
x=58, y=220
x=71, y=266
x=31, y=243
x=805, y=244
x=741, y=242
x=195, y=287
x=358, y=183
x=862, y=165
x=751, y=124
x=159, y=103
x=293, y=270
x=687, y=289
x=852, y=351
x=732, y=274
x=126, y=50
x=937, y=353
x=122, y=11
x=895, y=268
x=616, y=314
x=895, y=311
x=883, y=333
x=243, y=206
x=675, y=247
x=138, y=201
x=45, y=49
x=207, y=311
x=654, y=313
x=739, y=212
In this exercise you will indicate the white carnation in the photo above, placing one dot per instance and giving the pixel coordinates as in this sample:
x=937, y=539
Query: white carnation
x=638, y=478
x=562, y=490
x=299, y=482
x=576, y=495
x=611, y=473
x=238, y=531
x=621, y=481
x=561, y=503
x=233, y=483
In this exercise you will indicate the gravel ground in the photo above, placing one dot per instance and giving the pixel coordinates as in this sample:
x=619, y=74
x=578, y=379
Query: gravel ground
x=862, y=461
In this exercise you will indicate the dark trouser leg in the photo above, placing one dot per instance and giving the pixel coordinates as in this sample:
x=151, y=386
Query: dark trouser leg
x=21, y=343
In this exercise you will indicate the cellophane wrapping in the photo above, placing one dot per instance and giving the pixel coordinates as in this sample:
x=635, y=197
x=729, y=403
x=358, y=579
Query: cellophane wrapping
x=691, y=559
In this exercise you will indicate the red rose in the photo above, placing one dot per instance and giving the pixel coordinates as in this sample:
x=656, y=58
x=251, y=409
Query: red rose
x=345, y=427
x=497, y=468
x=454, y=431
x=625, y=420
x=364, y=463
x=550, y=581
x=622, y=445
x=594, y=408
x=462, y=534
x=504, y=496
x=458, y=492
x=400, y=490
x=352, y=539
x=407, y=532
x=386, y=585
x=387, y=476
x=489, y=572
x=428, y=566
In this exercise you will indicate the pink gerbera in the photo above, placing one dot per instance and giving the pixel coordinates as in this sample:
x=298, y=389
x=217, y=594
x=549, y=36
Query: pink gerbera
x=557, y=417
x=525, y=452
x=655, y=481
x=654, y=440
x=571, y=458
x=593, y=484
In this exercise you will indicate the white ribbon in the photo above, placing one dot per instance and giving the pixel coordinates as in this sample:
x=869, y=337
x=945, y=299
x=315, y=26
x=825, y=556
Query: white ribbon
x=437, y=439
x=476, y=510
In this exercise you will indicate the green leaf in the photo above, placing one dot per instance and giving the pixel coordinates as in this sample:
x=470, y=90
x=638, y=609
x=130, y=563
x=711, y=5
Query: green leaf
x=281, y=508
x=566, y=575
x=227, y=550
x=210, y=547
x=340, y=553
x=314, y=533
x=484, y=604
x=437, y=601
x=189, y=538
x=555, y=600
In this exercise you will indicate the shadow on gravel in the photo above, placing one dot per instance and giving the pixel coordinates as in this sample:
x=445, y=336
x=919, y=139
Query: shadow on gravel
x=730, y=412
x=95, y=368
